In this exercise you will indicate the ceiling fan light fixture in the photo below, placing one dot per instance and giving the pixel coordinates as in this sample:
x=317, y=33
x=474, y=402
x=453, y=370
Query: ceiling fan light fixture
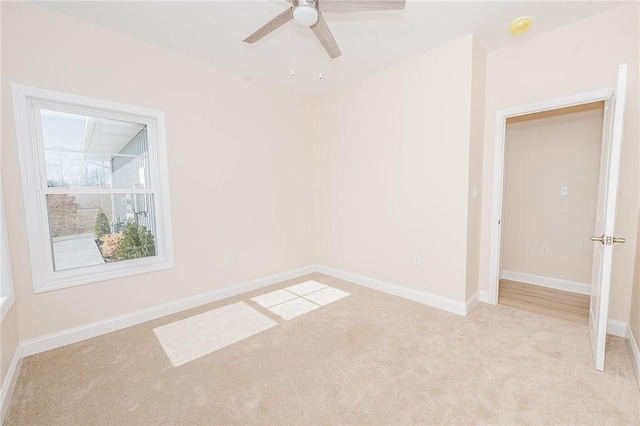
x=305, y=12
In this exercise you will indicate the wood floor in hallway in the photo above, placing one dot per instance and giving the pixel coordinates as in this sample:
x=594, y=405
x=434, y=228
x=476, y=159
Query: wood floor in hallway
x=556, y=303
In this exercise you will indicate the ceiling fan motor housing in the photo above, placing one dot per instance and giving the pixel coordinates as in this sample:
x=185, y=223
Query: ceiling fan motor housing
x=305, y=12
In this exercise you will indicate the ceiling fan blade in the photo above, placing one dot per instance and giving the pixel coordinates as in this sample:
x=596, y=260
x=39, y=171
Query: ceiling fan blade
x=322, y=31
x=359, y=5
x=270, y=26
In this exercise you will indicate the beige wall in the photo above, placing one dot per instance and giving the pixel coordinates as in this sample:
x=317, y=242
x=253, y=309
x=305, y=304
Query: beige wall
x=577, y=58
x=544, y=152
x=392, y=166
x=478, y=82
x=239, y=165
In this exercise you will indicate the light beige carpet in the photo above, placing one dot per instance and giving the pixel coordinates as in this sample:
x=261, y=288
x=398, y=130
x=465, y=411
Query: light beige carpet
x=369, y=358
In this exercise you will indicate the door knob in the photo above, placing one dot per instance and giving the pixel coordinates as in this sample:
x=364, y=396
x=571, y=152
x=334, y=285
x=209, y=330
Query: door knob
x=609, y=240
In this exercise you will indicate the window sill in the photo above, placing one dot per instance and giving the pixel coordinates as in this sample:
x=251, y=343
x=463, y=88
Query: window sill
x=89, y=275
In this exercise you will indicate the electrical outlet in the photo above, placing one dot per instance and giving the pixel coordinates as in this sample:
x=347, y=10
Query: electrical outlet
x=417, y=260
x=544, y=249
x=227, y=259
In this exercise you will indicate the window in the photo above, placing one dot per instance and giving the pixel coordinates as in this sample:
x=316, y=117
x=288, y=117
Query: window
x=6, y=280
x=95, y=186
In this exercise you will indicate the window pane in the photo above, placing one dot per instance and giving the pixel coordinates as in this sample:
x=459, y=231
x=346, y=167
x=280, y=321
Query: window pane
x=91, y=229
x=86, y=151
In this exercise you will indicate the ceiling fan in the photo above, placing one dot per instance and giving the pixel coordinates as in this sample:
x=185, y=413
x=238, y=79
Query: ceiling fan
x=309, y=13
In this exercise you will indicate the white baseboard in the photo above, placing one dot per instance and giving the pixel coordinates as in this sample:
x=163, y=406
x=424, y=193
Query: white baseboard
x=76, y=334
x=635, y=355
x=472, y=303
x=555, y=283
x=485, y=297
x=617, y=328
x=439, y=302
x=479, y=296
x=9, y=382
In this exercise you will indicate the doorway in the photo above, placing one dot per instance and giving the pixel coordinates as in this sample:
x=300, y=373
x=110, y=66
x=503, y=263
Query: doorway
x=614, y=101
x=551, y=170
x=498, y=169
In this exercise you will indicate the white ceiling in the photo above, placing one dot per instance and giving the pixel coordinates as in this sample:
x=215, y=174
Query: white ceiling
x=213, y=31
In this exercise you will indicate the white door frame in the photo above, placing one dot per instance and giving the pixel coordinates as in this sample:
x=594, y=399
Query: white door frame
x=498, y=168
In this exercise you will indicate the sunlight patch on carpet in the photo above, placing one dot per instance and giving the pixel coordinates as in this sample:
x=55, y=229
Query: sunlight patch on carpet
x=202, y=334
x=325, y=296
x=293, y=308
x=306, y=287
x=299, y=299
x=274, y=298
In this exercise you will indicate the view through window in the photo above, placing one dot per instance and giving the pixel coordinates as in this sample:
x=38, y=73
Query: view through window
x=99, y=205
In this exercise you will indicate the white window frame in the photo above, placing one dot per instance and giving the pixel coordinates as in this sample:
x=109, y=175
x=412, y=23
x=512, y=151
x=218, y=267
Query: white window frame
x=27, y=101
x=7, y=295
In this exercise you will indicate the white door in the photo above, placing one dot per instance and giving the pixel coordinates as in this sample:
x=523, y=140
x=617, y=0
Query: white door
x=605, y=217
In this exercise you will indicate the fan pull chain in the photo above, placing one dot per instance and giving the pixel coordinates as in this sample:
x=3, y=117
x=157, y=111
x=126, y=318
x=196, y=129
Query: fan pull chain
x=319, y=64
x=291, y=45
